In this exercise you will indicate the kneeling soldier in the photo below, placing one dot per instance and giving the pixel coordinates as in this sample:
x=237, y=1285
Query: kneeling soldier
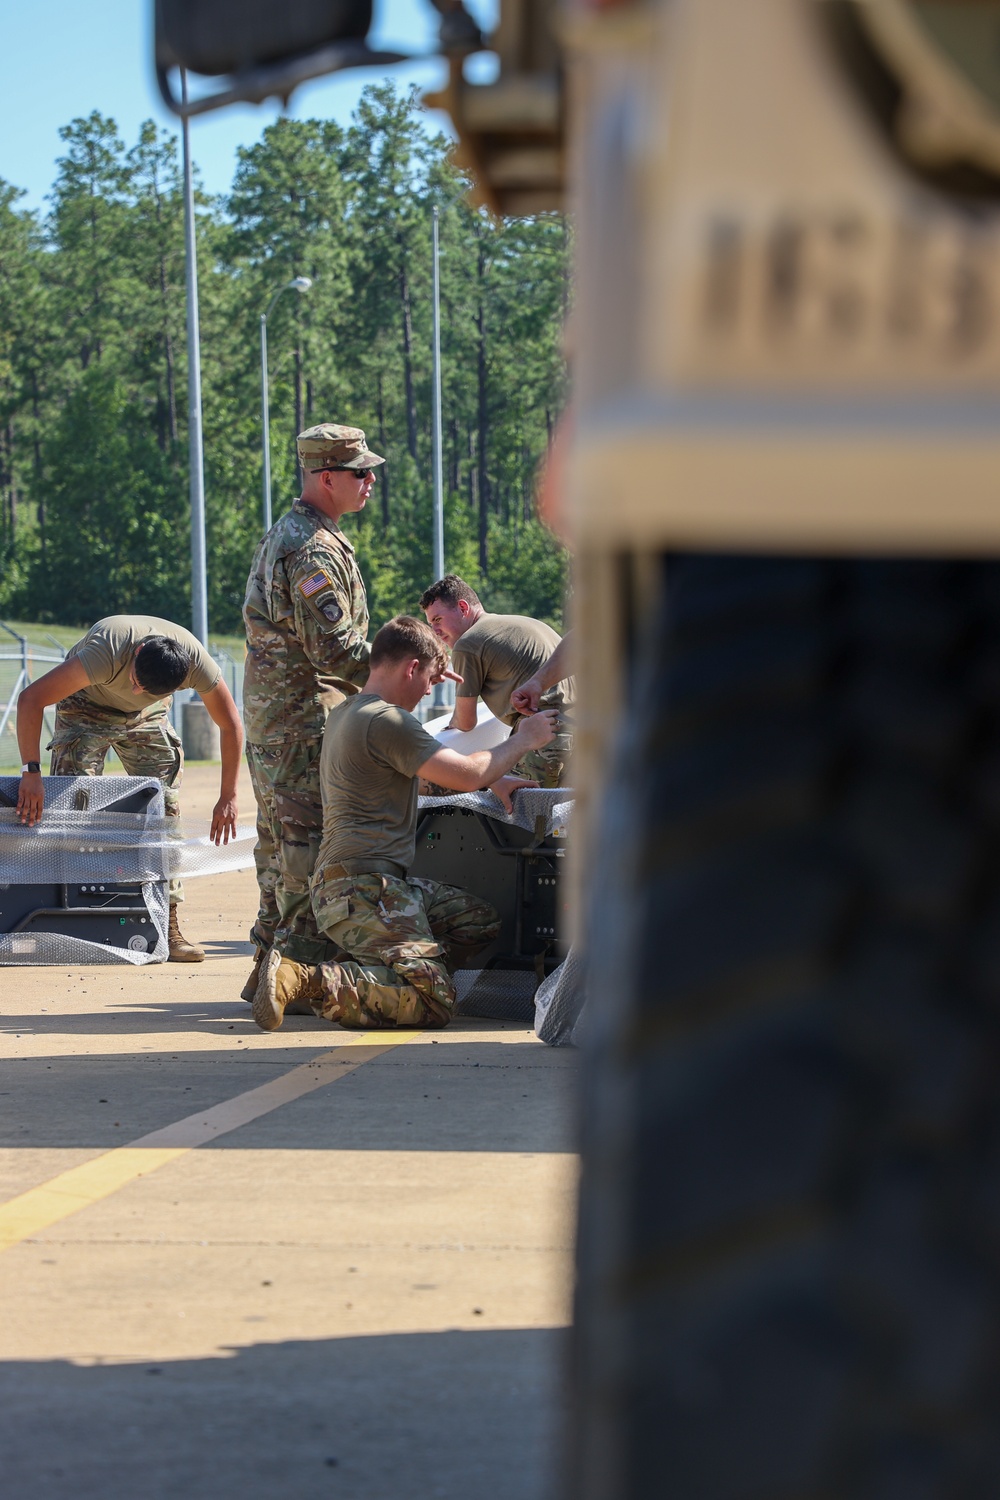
x=111, y=693
x=401, y=937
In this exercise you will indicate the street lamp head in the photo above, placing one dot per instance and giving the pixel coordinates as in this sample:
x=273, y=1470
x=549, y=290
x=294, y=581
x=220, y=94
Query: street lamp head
x=300, y=283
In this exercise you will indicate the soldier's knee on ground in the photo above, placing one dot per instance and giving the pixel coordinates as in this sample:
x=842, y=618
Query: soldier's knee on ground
x=433, y=988
x=408, y=990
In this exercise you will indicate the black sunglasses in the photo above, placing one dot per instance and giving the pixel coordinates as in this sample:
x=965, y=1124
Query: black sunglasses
x=346, y=469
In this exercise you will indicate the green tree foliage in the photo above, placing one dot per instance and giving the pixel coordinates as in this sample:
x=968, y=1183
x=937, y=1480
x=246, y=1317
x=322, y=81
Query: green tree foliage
x=109, y=507
x=21, y=297
x=93, y=377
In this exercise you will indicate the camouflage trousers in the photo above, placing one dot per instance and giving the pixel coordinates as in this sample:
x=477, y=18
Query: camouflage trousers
x=402, y=938
x=289, y=829
x=548, y=766
x=151, y=746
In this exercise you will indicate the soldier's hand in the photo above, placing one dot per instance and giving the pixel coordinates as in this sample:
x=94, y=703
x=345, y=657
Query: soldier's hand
x=223, y=821
x=507, y=786
x=30, y=798
x=538, y=729
x=526, y=698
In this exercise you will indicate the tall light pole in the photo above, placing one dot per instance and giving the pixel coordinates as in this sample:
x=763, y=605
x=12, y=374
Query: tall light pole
x=437, y=423
x=297, y=284
x=441, y=694
x=196, y=457
x=438, y=569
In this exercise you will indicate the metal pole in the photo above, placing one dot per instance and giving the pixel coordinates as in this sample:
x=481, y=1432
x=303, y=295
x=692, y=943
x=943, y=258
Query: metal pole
x=438, y=438
x=440, y=696
x=298, y=284
x=265, y=420
x=199, y=580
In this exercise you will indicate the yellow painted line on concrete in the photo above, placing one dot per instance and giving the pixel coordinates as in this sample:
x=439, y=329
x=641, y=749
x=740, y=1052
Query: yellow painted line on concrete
x=78, y=1188
x=38, y=1208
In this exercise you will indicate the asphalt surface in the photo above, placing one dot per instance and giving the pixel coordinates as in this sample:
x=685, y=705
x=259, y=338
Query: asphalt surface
x=309, y=1264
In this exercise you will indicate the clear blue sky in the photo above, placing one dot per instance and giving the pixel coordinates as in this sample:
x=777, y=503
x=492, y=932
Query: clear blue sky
x=63, y=58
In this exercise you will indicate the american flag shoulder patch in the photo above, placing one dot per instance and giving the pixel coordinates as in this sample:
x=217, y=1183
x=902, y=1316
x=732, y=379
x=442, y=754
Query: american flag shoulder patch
x=313, y=584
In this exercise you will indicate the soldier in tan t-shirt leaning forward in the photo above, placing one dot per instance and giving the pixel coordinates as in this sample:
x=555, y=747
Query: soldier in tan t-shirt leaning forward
x=112, y=692
x=401, y=937
x=494, y=655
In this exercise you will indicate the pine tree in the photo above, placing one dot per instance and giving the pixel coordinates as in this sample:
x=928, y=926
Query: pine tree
x=93, y=399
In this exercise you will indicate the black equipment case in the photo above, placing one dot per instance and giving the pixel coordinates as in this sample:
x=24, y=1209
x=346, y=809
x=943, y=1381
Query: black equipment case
x=107, y=911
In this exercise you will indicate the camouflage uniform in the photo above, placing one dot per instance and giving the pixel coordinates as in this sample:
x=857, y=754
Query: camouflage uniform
x=146, y=743
x=548, y=765
x=306, y=617
x=402, y=937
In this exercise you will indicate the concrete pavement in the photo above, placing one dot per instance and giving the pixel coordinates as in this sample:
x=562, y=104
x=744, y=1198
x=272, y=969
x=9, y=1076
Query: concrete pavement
x=345, y=1272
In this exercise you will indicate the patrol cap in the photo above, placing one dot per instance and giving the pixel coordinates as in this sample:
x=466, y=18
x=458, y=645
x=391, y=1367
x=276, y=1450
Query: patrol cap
x=330, y=446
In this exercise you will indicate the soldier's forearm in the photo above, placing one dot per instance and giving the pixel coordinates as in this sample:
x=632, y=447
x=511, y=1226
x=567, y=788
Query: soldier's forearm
x=498, y=761
x=557, y=667
x=231, y=747
x=473, y=772
x=29, y=727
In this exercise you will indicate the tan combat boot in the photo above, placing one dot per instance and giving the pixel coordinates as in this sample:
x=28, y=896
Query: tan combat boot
x=282, y=984
x=181, y=951
x=250, y=988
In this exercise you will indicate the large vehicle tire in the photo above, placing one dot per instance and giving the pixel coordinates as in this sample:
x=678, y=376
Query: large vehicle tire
x=789, y=1251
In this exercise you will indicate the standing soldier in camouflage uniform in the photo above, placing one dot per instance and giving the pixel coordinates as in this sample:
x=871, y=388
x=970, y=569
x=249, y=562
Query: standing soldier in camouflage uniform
x=306, y=618
x=112, y=692
x=494, y=655
x=399, y=938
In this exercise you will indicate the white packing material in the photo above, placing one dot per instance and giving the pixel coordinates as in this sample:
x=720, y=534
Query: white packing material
x=488, y=733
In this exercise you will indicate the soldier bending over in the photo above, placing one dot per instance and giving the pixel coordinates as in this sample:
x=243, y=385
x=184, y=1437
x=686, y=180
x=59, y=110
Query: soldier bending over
x=112, y=693
x=401, y=937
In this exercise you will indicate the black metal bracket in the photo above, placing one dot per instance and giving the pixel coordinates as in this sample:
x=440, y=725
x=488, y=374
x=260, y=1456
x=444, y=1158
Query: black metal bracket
x=280, y=79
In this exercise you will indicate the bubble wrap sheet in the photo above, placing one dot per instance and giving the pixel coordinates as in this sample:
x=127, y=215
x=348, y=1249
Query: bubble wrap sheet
x=102, y=843
x=73, y=846
x=559, y=1004
x=530, y=804
x=84, y=839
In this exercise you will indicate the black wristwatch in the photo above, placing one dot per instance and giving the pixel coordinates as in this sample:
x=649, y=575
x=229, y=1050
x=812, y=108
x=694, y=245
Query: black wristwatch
x=33, y=768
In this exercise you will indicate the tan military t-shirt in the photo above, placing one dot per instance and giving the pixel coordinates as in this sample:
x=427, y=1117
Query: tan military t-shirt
x=498, y=653
x=108, y=649
x=368, y=767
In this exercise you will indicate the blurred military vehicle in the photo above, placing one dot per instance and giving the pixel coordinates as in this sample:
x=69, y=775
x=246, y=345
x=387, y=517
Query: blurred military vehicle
x=783, y=496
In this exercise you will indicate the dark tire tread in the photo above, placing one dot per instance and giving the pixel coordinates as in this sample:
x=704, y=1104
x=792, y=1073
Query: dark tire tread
x=789, y=1263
